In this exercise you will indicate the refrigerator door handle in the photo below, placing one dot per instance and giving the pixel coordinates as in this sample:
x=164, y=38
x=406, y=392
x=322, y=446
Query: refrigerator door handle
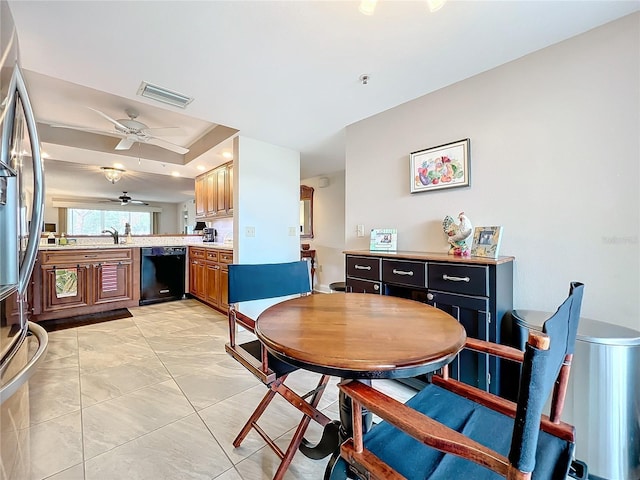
x=37, y=216
x=9, y=104
x=21, y=377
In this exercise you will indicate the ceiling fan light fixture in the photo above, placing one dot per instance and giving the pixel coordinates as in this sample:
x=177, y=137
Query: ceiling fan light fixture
x=112, y=174
x=164, y=95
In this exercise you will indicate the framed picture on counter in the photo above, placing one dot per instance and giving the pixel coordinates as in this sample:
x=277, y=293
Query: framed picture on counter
x=384, y=239
x=486, y=241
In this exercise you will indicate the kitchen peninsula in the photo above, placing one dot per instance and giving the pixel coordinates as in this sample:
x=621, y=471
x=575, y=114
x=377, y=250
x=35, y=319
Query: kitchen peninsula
x=93, y=276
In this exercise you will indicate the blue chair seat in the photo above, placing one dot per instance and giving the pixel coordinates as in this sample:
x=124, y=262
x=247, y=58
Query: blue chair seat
x=279, y=367
x=415, y=460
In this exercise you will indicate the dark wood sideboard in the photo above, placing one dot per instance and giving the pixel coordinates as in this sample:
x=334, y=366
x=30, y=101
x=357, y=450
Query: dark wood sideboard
x=477, y=291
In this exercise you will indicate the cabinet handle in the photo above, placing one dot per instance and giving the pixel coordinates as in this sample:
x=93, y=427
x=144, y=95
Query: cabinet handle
x=90, y=256
x=402, y=272
x=456, y=279
x=362, y=267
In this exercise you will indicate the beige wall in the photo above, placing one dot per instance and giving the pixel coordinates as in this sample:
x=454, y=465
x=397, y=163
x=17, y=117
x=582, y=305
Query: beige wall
x=554, y=159
x=328, y=229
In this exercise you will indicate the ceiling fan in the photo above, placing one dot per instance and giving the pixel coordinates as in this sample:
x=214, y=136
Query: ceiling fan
x=125, y=199
x=132, y=131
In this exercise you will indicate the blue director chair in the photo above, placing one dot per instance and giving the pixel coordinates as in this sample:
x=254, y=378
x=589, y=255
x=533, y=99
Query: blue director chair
x=268, y=281
x=450, y=430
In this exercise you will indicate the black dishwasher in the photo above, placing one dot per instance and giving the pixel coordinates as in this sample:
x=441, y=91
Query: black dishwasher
x=162, y=273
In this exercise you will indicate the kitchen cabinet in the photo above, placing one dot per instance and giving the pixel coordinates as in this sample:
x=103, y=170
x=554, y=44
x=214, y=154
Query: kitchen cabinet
x=214, y=193
x=77, y=282
x=209, y=276
x=477, y=291
x=229, y=188
x=201, y=196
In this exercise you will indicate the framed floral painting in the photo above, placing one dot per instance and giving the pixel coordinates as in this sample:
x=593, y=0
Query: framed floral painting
x=437, y=168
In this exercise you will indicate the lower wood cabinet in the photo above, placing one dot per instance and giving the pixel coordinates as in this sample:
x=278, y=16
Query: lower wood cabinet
x=209, y=276
x=78, y=282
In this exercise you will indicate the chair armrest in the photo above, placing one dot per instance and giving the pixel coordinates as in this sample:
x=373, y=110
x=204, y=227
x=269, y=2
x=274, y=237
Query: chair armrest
x=502, y=405
x=247, y=322
x=422, y=428
x=502, y=351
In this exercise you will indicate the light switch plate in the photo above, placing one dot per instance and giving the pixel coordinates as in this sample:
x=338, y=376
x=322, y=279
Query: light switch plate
x=360, y=230
x=250, y=231
x=292, y=231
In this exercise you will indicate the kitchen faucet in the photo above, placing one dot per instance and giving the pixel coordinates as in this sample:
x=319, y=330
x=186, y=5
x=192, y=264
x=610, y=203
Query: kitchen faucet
x=113, y=233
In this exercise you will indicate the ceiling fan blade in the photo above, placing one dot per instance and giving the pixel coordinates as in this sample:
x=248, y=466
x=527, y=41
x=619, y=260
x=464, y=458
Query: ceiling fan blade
x=138, y=202
x=91, y=130
x=115, y=122
x=168, y=145
x=125, y=144
x=164, y=131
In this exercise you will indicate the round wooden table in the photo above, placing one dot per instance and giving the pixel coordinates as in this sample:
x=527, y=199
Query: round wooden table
x=358, y=335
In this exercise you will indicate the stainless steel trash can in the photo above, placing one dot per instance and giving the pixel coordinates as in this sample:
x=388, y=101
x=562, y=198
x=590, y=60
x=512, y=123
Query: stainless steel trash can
x=603, y=396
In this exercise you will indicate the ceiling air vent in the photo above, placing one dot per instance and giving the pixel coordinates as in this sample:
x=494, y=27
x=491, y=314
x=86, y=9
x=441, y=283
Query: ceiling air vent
x=164, y=95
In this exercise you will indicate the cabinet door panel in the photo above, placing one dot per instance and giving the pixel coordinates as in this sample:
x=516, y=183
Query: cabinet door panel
x=355, y=285
x=229, y=189
x=212, y=283
x=112, y=282
x=197, y=278
x=212, y=195
x=220, y=176
x=472, y=312
x=61, y=290
x=223, y=300
x=201, y=196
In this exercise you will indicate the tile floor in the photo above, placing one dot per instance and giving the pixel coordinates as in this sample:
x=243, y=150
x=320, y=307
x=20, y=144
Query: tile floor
x=156, y=397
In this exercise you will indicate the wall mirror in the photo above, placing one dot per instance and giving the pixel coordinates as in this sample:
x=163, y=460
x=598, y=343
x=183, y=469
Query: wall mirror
x=306, y=211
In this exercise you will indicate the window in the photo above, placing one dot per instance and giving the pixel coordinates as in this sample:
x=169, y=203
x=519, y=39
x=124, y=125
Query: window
x=93, y=222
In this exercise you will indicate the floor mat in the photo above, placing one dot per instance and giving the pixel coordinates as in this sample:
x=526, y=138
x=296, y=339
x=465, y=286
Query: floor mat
x=81, y=320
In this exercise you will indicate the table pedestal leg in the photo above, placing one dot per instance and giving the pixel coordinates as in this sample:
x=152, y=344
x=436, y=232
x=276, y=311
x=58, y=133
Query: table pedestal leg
x=337, y=468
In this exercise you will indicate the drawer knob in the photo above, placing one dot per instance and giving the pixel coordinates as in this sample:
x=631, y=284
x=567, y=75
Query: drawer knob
x=456, y=279
x=376, y=287
x=402, y=272
x=362, y=267
x=429, y=296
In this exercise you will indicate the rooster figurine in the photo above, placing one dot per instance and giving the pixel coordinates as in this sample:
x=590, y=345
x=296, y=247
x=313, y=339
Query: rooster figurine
x=458, y=234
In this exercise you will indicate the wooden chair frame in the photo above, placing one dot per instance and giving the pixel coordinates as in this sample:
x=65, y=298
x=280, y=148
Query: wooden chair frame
x=260, y=368
x=440, y=437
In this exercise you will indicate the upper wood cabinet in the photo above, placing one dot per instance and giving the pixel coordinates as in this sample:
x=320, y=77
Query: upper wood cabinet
x=201, y=196
x=214, y=192
x=229, y=187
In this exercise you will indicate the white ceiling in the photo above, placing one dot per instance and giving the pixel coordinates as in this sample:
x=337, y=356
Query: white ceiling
x=284, y=72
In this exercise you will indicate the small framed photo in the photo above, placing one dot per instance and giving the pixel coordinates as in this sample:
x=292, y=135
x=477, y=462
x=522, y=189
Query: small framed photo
x=486, y=242
x=384, y=239
x=437, y=168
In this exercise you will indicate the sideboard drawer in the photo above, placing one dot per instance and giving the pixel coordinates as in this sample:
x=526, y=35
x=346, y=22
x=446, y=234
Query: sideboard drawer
x=363, y=267
x=466, y=279
x=404, y=272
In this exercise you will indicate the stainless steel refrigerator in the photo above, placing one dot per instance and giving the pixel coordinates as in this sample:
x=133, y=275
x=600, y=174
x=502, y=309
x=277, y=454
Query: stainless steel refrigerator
x=23, y=345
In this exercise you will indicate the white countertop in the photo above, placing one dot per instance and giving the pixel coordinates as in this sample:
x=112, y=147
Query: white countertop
x=138, y=242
